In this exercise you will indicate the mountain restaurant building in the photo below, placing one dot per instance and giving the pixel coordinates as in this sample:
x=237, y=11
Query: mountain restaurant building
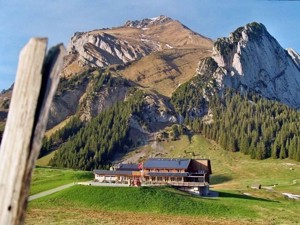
x=191, y=175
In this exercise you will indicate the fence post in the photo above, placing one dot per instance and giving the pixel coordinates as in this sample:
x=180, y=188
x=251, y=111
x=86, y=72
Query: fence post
x=34, y=88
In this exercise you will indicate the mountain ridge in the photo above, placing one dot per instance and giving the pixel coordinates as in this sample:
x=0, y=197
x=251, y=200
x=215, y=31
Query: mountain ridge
x=130, y=42
x=181, y=76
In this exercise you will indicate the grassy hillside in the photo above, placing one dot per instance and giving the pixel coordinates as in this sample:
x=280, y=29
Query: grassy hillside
x=44, y=161
x=231, y=170
x=167, y=69
x=162, y=202
x=47, y=178
x=57, y=127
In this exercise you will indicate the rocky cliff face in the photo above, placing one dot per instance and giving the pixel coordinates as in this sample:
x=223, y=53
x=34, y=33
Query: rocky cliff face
x=157, y=113
x=102, y=49
x=127, y=43
x=146, y=23
x=251, y=59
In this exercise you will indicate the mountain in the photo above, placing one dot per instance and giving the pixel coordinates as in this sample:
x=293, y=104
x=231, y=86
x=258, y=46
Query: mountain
x=123, y=53
x=173, y=49
x=246, y=95
x=129, y=42
x=126, y=51
x=154, y=79
x=250, y=59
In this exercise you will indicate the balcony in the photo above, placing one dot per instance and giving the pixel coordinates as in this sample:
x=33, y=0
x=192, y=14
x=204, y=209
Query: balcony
x=188, y=184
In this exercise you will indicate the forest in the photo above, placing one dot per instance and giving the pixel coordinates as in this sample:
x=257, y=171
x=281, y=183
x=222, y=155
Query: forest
x=248, y=123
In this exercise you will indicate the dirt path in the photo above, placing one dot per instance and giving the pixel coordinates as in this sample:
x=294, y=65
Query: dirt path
x=49, y=192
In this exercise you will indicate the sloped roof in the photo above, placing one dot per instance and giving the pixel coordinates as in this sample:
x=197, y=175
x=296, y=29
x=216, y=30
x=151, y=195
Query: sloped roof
x=128, y=167
x=166, y=163
x=112, y=172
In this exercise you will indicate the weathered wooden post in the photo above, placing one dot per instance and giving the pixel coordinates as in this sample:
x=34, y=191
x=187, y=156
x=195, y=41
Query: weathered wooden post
x=34, y=88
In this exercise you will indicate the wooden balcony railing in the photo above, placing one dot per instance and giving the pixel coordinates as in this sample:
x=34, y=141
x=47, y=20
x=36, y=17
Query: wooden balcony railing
x=188, y=184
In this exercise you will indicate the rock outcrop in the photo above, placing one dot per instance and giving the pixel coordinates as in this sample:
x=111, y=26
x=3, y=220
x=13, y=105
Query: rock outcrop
x=157, y=113
x=102, y=49
x=250, y=59
x=145, y=23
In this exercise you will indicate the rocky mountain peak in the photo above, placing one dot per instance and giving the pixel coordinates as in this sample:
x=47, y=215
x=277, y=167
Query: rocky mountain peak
x=251, y=59
x=252, y=30
x=129, y=43
x=144, y=23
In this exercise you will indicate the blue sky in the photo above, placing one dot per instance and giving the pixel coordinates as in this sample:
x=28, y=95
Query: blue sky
x=60, y=19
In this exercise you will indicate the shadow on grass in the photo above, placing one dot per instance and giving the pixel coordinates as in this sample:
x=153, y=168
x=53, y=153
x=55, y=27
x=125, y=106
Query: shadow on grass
x=241, y=196
x=219, y=179
x=221, y=194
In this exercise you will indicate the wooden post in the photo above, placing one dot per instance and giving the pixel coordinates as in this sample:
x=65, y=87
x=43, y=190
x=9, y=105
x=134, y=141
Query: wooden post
x=34, y=88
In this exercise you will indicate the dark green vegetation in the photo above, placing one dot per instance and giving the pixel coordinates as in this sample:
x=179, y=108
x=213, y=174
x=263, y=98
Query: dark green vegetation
x=47, y=178
x=73, y=83
x=98, y=81
x=6, y=103
x=95, y=144
x=248, y=123
x=255, y=126
x=61, y=136
x=190, y=95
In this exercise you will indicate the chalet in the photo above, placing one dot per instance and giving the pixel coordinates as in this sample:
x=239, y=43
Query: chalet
x=185, y=174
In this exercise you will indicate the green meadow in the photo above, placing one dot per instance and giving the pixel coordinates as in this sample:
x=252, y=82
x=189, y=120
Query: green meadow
x=233, y=175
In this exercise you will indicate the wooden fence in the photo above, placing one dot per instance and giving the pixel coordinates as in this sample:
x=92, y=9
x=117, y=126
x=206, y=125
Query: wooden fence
x=34, y=88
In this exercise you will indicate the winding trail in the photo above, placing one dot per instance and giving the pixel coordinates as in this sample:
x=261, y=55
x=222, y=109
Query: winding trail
x=49, y=192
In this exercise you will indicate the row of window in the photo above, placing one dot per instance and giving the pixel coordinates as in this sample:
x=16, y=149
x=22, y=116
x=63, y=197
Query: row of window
x=165, y=179
x=165, y=170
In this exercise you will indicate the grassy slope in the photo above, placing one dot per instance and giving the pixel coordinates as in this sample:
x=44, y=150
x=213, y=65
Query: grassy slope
x=167, y=69
x=47, y=178
x=164, y=201
x=44, y=161
x=57, y=127
x=232, y=171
